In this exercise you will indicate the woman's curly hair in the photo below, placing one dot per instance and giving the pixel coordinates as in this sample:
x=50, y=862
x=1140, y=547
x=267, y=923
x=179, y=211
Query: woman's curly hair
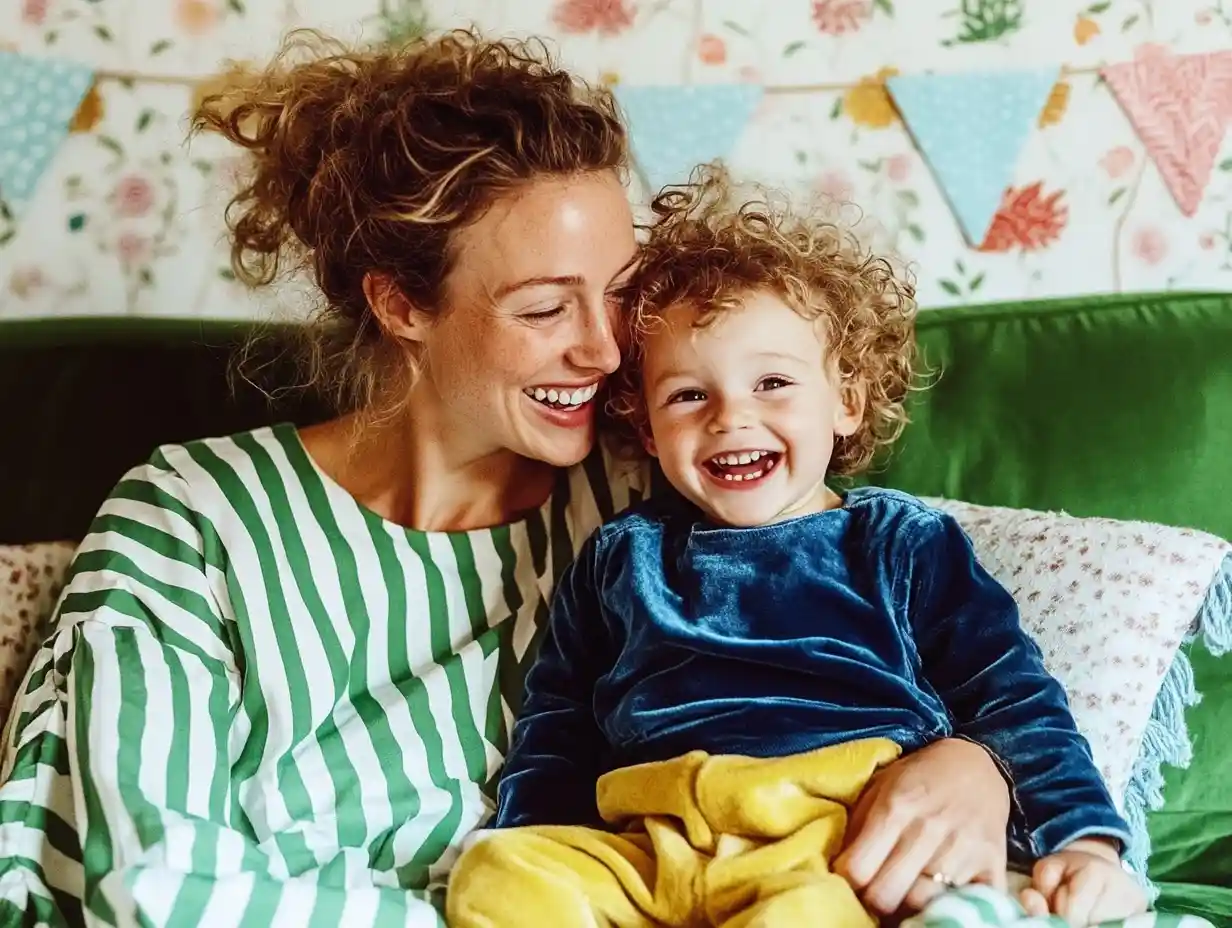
x=370, y=159
x=708, y=248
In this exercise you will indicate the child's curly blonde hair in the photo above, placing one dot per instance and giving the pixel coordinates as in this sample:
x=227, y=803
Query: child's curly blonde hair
x=708, y=249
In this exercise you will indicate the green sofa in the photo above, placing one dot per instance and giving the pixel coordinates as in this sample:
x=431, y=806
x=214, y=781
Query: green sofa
x=1111, y=406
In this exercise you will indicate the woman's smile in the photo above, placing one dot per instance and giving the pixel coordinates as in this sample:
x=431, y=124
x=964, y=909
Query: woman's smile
x=565, y=406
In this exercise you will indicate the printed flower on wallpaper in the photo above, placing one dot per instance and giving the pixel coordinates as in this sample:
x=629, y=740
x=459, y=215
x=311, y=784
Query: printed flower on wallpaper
x=132, y=197
x=1149, y=244
x=880, y=199
x=834, y=21
x=1028, y=219
x=130, y=206
x=1108, y=16
x=985, y=20
x=838, y=17
x=606, y=17
x=34, y=12
x=403, y=21
x=712, y=50
x=198, y=17
x=868, y=103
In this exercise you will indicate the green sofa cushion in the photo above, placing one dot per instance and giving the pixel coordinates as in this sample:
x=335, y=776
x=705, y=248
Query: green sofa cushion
x=1117, y=406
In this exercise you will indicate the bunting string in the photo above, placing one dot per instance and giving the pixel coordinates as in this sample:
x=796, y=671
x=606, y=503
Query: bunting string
x=184, y=80
x=969, y=126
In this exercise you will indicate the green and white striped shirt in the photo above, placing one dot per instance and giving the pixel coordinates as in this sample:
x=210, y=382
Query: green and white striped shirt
x=261, y=704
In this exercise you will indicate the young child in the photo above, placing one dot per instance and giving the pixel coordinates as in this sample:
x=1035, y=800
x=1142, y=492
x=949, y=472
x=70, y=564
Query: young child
x=729, y=663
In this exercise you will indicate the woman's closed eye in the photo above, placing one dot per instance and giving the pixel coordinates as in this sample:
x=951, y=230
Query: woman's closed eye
x=542, y=315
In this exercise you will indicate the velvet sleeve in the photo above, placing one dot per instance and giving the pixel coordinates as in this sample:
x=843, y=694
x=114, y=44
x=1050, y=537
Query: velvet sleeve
x=991, y=676
x=557, y=747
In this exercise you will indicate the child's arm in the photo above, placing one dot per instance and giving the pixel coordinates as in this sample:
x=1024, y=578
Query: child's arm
x=991, y=676
x=557, y=746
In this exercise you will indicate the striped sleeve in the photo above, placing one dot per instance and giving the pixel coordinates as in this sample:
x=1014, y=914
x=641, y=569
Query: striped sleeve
x=117, y=804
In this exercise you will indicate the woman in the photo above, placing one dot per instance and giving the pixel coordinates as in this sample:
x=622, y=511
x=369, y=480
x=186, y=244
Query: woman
x=279, y=686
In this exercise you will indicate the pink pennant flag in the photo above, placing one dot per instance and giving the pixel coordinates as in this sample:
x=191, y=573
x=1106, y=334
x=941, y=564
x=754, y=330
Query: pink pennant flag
x=1180, y=106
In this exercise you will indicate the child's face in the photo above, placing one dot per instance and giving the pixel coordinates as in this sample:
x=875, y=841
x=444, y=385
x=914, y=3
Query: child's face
x=744, y=412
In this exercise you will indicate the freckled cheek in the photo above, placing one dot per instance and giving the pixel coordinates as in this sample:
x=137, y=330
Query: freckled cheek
x=799, y=416
x=516, y=359
x=677, y=439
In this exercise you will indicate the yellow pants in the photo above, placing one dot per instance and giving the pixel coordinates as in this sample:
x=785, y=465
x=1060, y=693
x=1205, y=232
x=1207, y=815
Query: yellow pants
x=724, y=841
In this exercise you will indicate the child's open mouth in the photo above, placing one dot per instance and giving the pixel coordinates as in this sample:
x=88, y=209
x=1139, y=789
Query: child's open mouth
x=743, y=467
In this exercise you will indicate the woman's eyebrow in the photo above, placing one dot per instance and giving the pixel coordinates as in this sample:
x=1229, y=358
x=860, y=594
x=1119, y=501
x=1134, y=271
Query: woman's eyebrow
x=566, y=280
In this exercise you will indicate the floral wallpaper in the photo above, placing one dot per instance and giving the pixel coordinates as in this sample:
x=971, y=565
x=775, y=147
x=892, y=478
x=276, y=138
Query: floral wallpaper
x=128, y=219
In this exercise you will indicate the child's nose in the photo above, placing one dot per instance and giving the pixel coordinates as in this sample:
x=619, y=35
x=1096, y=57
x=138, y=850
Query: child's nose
x=729, y=416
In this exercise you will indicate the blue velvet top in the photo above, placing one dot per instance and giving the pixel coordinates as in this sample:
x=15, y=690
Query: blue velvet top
x=874, y=619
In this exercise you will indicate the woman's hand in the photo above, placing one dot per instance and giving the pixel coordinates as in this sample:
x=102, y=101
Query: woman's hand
x=938, y=814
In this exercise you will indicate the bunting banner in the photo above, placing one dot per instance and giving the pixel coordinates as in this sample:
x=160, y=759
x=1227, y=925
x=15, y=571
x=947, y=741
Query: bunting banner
x=971, y=127
x=38, y=99
x=675, y=128
x=1180, y=106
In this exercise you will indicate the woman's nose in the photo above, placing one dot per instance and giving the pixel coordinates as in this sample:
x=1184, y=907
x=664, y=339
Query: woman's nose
x=597, y=348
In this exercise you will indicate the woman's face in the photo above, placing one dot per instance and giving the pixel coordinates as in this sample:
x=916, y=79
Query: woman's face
x=526, y=335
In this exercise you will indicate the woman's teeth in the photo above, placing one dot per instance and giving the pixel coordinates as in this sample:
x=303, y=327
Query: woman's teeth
x=561, y=397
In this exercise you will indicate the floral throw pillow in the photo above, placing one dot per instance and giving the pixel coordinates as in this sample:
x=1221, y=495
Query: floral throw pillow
x=31, y=577
x=1109, y=603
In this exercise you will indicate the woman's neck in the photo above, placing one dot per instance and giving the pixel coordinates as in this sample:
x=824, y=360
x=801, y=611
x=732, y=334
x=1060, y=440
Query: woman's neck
x=413, y=479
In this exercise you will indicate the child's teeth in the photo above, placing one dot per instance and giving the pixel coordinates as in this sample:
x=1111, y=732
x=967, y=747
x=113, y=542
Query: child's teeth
x=744, y=457
x=541, y=394
x=553, y=396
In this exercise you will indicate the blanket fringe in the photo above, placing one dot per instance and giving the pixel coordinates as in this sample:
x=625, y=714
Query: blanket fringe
x=1167, y=740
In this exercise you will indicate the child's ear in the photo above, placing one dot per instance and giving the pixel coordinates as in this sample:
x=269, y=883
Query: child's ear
x=853, y=397
x=648, y=441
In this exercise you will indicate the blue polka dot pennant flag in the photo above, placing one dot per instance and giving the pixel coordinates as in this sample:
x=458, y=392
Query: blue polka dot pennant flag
x=675, y=128
x=38, y=99
x=971, y=127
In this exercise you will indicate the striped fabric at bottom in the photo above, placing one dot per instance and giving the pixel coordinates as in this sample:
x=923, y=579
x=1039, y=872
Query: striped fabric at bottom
x=984, y=907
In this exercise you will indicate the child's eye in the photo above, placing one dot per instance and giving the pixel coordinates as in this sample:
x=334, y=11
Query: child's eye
x=686, y=396
x=773, y=383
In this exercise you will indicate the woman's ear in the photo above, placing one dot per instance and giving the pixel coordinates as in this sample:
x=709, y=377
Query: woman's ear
x=849, y=414
x=393, y=311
